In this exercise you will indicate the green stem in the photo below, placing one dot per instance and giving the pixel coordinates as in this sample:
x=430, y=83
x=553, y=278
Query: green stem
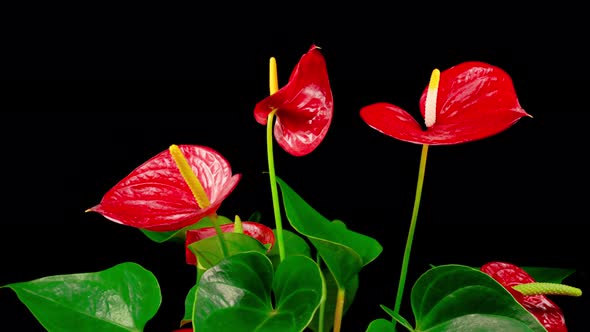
x=273, y=185
x=339, y=310
x=406, y=260
x=220, y=236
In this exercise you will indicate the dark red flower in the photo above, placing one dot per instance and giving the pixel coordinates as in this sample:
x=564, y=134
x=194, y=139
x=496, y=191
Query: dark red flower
x=156, y=197
x=545, y=310
x=304, y=107
x=255, y=230
x=474, y=100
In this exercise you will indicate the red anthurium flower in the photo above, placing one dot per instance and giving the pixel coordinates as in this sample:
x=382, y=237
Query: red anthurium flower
x=474, y=100
x=255, y=230
x=304, y=107
x=545, y=310
x=156, y=197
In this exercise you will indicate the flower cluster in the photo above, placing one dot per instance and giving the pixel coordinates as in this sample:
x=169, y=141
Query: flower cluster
x=251, y=277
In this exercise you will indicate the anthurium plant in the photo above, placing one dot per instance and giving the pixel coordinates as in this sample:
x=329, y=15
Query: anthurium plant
x=301, y=273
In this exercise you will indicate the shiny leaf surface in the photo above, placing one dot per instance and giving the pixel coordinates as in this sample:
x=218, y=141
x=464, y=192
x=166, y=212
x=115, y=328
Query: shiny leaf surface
x=189, y=303
x=122, y=298
x=344, y=251
x=475, y=100
x=235, y=295
x=209, y=253
x=294, y=245
x=463, y=299
x=255, y=230
x=156, y=197
x=546, y=311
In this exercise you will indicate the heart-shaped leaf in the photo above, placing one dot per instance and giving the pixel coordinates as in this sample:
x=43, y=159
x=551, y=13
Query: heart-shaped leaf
x=122, y=298
x=209, y=251
x=235, y=295
x=345, y=252
x=294, y=245
x=460, y=298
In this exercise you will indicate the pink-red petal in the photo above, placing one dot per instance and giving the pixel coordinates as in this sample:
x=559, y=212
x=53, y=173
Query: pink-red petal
x=255, y=230
x=545, y=310
x=304, y=106
x=475, y=100
x=156, y=197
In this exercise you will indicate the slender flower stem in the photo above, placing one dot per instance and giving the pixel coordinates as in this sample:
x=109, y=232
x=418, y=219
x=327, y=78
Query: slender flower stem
x=339, y=310
x=430, y=120
x=274, y=87
x=220, y=236
x=406, y=260
x=273, y=186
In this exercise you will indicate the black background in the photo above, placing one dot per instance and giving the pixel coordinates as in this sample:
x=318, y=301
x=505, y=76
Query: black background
x=91, y=92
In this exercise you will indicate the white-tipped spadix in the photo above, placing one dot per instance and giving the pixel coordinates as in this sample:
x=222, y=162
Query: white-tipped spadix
x=431, y=95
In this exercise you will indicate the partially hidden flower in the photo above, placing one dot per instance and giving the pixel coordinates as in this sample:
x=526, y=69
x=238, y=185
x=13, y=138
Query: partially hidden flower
x=471, y=101
x=255, y=230
x=157, y=197
x=304, y=106
x=545, y=310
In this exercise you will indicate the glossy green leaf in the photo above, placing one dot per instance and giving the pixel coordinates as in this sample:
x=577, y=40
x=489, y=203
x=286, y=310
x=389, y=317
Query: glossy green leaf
x=546, y=274
x=294, y=245
x=463, y=299
x=330, y=305
x=381, y=325
x=209, y=252
x=122, y=298
x=189, y=302
x=344, y=251
x=236, y=294
x=179, y=235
